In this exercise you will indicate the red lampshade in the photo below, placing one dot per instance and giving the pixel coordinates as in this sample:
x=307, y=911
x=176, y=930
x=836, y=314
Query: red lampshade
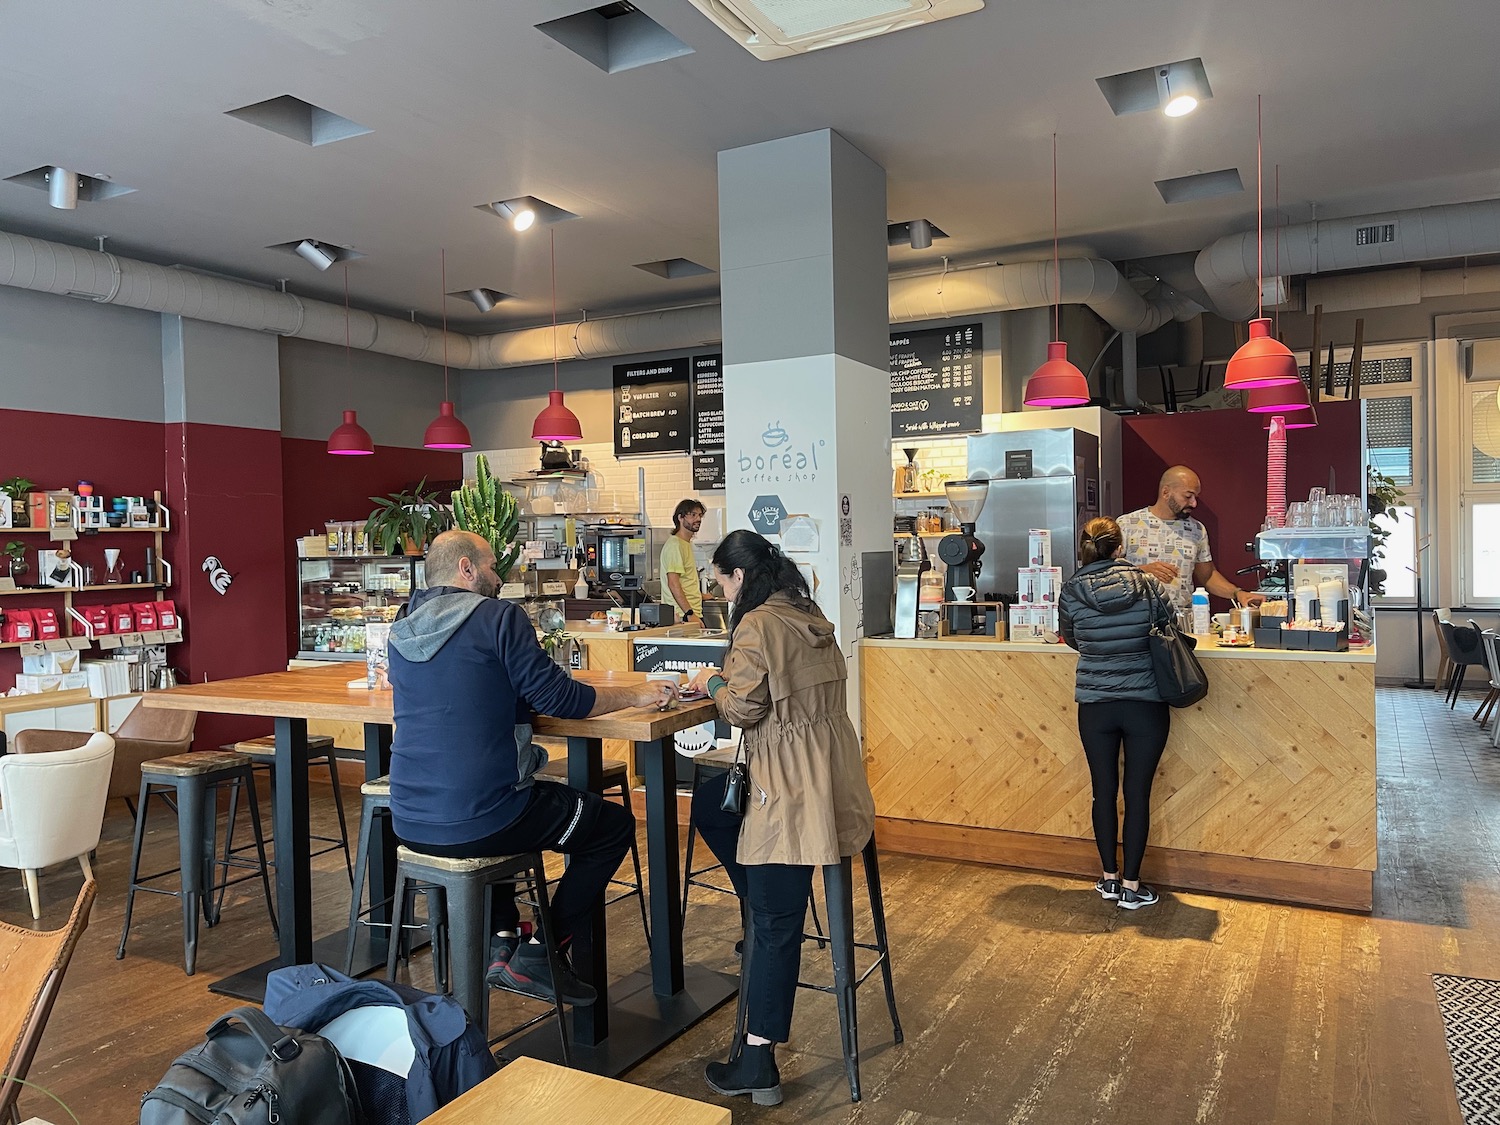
x=1057, y=382
x=556, y=422
x=1302, y=420
x=446, y=431
x=1263, y=361
x=351, y=439
x=1285, y=399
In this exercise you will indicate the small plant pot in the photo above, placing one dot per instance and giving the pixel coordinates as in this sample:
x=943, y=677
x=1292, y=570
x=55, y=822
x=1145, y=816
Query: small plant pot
x=410, y=546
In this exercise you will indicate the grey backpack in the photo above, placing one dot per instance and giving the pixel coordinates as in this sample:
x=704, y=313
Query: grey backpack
x=248, y=1071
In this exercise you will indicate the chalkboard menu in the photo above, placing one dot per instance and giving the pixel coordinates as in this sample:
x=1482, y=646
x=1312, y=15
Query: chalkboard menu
x=708, y=403
x=652, y=407
x=708, y=471
x=936, y=382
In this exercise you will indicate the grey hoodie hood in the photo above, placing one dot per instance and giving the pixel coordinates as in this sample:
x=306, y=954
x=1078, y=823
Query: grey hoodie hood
x=436, y=616
x=1110, y=585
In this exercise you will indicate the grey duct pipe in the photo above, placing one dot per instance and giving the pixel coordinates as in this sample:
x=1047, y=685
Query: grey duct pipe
x=1227, y=267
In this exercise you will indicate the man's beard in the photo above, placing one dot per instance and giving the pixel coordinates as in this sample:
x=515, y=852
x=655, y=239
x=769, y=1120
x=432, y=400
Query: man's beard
x=487, y=584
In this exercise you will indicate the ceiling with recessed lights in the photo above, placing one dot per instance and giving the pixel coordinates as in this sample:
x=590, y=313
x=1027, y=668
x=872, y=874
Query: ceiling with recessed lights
x=466, y=103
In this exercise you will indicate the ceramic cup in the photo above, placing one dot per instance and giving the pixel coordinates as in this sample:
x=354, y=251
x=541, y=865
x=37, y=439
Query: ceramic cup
x=964, y=593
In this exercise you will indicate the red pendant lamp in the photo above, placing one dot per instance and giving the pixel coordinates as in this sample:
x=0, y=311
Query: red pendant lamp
x=350, y=439
x=1056, y=382
x=1262, y=361
x=556, y=422
x=446, y=431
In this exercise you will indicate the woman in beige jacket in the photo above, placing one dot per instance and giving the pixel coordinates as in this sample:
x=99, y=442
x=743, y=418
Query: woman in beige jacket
x=808, y=802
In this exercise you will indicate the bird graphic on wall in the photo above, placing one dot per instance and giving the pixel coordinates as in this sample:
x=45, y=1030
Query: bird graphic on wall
x=218, y=577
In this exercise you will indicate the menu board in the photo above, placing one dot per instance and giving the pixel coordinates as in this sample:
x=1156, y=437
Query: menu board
x=937, y=382
x=652, y=410
x=708, y=471
x=708, y=403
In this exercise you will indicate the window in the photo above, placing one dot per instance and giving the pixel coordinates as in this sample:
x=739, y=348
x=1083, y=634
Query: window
x=1481, y=558
x=1484, y=552
x=1398, y=558
x=1389, y=437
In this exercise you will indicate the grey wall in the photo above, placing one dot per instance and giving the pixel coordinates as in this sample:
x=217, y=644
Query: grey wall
x=60, y=355
x=396, y=398
x=219, y=375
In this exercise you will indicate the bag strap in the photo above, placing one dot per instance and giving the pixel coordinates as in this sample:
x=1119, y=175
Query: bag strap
x=278, y=1043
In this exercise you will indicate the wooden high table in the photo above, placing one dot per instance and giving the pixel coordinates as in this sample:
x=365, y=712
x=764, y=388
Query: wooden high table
x=630, y=1020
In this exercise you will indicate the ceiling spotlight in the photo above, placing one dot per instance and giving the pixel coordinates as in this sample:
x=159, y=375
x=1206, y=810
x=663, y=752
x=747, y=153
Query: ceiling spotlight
x=519, y=215
x=1181, y=101
x=320, y=256
x=62, y=189
x=482, y=299
x=920, y=234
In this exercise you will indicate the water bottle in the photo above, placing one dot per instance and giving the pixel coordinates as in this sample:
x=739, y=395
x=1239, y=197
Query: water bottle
x=1200, y=610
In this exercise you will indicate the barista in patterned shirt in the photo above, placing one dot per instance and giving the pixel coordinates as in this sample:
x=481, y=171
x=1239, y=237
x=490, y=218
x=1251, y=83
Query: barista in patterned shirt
x=1167, y=543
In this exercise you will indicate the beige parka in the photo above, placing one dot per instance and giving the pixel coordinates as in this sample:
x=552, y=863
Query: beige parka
x=809, y=802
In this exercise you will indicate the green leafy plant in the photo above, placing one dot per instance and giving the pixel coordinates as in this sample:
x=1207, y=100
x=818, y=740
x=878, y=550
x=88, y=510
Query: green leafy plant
x=490, y=512
x=17, y=488
x=407, y=519
x=15, y=550
x=1384, y=500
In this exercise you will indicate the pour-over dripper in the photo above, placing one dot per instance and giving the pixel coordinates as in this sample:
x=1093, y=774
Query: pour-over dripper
x=966, y=498
x=112, y=571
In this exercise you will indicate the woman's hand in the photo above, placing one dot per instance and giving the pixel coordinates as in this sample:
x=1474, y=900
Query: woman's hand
x=699, y=681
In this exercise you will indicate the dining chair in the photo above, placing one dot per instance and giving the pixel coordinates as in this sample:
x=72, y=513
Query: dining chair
x=1488, y=640
x=146, y=734
x=34, y=962
x=52, y=809
x=1464, y=652
x=1445, y=667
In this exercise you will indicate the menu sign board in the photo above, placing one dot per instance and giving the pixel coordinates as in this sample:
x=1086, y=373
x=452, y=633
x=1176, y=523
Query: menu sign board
x=652, y=407
x=708, y=403
x=708, y=471
x=936, y=382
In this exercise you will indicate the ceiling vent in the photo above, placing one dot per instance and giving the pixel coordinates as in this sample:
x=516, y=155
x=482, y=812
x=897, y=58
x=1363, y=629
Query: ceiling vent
x=615, y=37
x=774, y=29
x=673, y=268
x=299, y=120
x=1201, y=185
x=1375, y=235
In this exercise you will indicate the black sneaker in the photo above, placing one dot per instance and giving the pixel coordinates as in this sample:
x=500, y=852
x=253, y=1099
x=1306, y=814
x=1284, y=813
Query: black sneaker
x=1108, y=888
x=529, y=973
x=753, y=1073
x=502, y=946
x=1141, y=896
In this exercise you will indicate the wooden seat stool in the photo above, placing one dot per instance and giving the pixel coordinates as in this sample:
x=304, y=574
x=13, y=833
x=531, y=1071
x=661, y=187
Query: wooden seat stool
x=192, y=778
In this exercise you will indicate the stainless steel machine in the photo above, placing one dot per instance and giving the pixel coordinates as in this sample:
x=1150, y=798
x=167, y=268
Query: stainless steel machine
x=1038, y=479
x=618, y=556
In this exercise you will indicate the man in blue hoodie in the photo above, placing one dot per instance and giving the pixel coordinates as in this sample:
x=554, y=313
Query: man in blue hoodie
x=466, y=670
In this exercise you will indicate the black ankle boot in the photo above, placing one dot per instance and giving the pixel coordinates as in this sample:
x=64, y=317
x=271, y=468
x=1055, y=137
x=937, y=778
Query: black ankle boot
x=753, y=1073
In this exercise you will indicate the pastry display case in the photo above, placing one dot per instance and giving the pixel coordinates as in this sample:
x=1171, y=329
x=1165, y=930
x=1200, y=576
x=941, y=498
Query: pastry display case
x=338, y=596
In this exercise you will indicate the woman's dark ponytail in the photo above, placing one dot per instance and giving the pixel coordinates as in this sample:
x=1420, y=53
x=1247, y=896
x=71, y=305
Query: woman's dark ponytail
x=1100, y=539
x=767, y=571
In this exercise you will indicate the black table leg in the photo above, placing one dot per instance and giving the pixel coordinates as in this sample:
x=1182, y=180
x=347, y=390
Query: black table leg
x=590, y=948
x=657, y=762
x=293, y=867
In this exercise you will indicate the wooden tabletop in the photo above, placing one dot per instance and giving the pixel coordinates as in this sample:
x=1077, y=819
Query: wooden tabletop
x=323, y=693
x=531, y=1090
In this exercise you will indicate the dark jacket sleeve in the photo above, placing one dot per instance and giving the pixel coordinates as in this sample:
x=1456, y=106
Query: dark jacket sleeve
x=1065, y=617
x=538, y=680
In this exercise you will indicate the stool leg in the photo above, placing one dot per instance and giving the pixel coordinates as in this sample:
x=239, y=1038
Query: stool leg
x=260, y=850
x=812, y=904
x=356, y=889
x=882, y=942
x=467, y=954
x=692, y=833
x=538, y=875
x=338, y=805
x=437, y=928
x=223, y=885
x=742, y=1008
x=838, y=892
x=141, y=805
x=635, y=860
x=190, y=814
x=398, y=904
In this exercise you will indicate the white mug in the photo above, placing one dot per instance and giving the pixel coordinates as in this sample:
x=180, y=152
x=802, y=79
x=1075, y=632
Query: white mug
x=964, y=593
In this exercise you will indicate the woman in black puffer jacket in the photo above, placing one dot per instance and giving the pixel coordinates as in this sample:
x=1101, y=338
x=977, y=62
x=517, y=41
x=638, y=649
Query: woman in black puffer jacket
x=1106, y=611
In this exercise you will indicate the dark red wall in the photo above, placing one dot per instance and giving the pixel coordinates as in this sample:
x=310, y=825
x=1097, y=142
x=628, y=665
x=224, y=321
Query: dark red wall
x=1227, y=449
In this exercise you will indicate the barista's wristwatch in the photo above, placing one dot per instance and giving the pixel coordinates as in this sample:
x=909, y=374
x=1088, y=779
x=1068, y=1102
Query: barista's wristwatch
x=687, y=613
x=1235, y=600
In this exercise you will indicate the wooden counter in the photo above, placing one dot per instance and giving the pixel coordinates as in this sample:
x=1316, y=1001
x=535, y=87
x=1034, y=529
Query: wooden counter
x=1266, y=789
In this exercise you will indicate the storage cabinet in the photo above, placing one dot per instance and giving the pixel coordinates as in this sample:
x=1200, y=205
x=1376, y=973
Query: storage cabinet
x=339, y=595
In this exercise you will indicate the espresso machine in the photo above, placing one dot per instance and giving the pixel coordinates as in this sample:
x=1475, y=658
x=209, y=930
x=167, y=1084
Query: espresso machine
x=961, y=553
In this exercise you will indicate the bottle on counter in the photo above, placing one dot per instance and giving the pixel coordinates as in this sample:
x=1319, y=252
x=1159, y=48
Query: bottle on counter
x=1200, y=610
x=581, y=587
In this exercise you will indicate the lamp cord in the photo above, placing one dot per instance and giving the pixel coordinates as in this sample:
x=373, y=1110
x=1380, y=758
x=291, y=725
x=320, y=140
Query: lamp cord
x=1278, y=251
x=1259, y=221
x=552, y=231
x=443, y=304
x=346, y=321
x=1056, y=275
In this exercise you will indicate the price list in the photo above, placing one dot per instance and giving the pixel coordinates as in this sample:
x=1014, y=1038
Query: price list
x=937, y=382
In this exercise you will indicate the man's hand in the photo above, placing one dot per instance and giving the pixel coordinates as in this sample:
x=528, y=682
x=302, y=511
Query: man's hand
x=1247, y=599
x=652, y=693
x=656, y=693
x=699, y=679
x=1163, y=571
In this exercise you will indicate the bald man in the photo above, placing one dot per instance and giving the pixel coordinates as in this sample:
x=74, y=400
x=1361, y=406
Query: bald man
x=1167, y=543
x=467, y=674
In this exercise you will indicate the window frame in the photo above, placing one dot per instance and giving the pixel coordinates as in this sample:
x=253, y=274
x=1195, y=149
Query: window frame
x=1471, y=495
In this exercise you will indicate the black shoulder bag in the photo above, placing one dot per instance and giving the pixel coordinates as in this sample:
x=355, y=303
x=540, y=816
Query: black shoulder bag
x=1180, y=679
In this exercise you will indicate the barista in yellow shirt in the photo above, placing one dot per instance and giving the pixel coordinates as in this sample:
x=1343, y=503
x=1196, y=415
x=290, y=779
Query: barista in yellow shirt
x=680, y=585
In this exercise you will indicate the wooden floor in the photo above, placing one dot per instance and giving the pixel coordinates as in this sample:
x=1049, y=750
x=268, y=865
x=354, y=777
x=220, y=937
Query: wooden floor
x=1025, y=998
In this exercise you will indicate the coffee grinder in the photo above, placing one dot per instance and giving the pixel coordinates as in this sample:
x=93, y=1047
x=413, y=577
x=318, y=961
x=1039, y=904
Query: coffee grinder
x=961, y=552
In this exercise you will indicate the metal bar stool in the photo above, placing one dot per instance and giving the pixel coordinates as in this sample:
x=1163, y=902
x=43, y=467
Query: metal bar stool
x=193, y=780
x=467, y=886
x=320, y=748
x=375, y=797
x=616, y=776
x=838, y=891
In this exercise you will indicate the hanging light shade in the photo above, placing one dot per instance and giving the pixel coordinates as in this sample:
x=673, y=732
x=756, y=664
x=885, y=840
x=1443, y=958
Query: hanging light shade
x=1486, y=425
x=351, y=439
x=1288, y=398
x=556, y=422
x=1263, y=361
x=447, y=431
x=1057, y=382
x=1301, y=420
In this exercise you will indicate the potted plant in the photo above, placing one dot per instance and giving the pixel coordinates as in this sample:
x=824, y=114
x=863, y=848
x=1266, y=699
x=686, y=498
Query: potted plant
x=408, y=520
x=492, y=513
x=15, y=551
x=1384, y=499
x=19, y=490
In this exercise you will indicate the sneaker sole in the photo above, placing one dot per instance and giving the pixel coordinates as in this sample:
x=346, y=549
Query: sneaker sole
x=1109, y=896
x=1138, y=904
x=758, y=1095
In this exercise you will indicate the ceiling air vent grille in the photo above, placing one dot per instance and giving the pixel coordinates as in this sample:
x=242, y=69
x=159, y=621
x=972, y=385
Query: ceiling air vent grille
x=774, y=29
x=1375, y=234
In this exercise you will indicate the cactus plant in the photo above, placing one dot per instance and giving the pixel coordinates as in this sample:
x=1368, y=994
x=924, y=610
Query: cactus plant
x=486, y=509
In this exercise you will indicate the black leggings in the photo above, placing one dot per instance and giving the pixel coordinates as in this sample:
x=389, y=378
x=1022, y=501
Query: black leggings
x=1142, y=727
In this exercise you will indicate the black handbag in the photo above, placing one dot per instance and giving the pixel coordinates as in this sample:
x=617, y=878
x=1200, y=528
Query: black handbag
x=737, y=784
x=1180, y=679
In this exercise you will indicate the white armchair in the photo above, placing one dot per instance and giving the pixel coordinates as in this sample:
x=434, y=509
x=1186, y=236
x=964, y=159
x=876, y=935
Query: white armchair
x=52, y=808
